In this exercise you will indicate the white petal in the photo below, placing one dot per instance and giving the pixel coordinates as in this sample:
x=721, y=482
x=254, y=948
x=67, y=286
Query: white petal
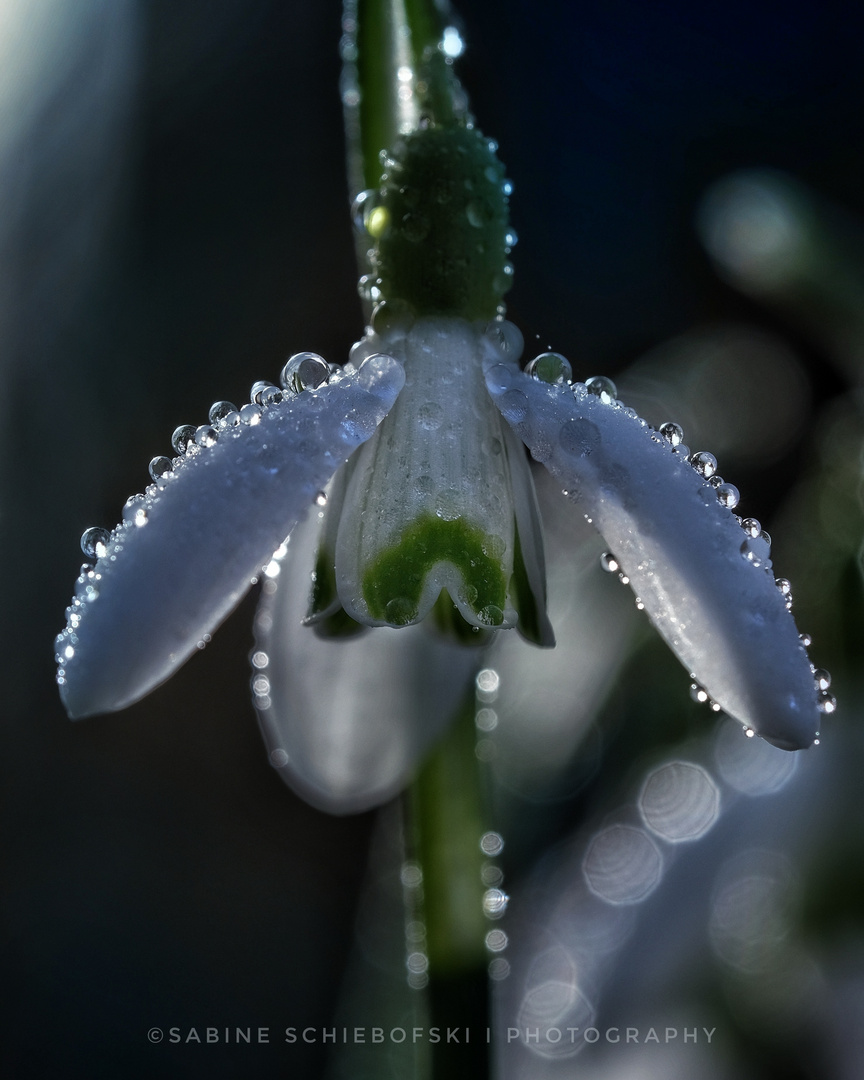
x=165, y=584
x=346, y=719
x=720, y=612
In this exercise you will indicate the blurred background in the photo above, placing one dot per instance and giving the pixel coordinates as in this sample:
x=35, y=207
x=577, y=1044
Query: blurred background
x=174, y=224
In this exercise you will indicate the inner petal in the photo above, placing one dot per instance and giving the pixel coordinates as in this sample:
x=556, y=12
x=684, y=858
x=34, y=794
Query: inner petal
x=430, y=503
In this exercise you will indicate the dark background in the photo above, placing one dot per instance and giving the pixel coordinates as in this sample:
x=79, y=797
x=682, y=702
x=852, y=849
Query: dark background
x=176, y=226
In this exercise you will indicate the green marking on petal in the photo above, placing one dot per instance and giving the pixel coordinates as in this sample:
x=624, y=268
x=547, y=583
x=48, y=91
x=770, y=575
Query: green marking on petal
x=393, y=583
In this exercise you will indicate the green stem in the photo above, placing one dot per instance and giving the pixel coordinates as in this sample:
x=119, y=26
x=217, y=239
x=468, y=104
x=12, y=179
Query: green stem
x=402, y=77
x=447, y=821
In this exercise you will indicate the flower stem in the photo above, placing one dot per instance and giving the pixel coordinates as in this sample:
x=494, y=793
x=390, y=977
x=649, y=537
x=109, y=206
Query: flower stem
x=446, y=822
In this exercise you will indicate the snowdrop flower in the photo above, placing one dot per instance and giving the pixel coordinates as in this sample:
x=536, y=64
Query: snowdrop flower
x=424, y=537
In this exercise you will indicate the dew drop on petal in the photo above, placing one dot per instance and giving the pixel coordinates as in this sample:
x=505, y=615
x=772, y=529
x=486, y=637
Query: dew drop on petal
x=131, y=507
x=578, y=436
x=603, y=387
x=550, y=367
x=257, y=389
x=806, y=640
x=827, y=703
x=94, y=542
x=250, y=414
x=704, y=463
x=182, y=436
x=755, y=550
x=160, y=468
x=752, y=527
x=491, y=615
x=304, y=371
x=822, y=678
x=672, y=432
x=206, y=435
x=514, y=406
x=727, y=495
x=400, y=611
x=505, y=338
x=221, y=412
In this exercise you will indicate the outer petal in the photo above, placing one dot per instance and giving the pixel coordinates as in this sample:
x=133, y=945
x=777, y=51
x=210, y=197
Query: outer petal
x=165, y=584
x=345, y=719
x=684, y=553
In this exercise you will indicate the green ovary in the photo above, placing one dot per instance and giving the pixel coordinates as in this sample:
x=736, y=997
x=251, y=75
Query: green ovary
x=393, y=583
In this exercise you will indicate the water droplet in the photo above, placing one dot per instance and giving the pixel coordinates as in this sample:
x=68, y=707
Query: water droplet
x=491, y=843
x=728, y=495
x=755, y=550
x=511, y=239
x=131, y=507
x=507, y=188
x=784, y=585
x=505, y=338
x=752, y=527
x=749, y=732
x=672, y=432
x=609, y=563
x=766, y=537
x=495, y=903
x=270, y=395
x=369, y=288
x=578, y=436
x=514, y=406
x=806, y=640
x=223, y=414
x=400, y=611
x=257, y=388
x=698, y=694
x=205, y=436
x=827, y=703
x=704, y=463
x=823, y=678
x=476, y=213
x=182, y=436
x=160, y=469
x=491, y=615
x=362, y=207
x=94, y=542
x=250, y=414
x=603, y=388
x=550, y=367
